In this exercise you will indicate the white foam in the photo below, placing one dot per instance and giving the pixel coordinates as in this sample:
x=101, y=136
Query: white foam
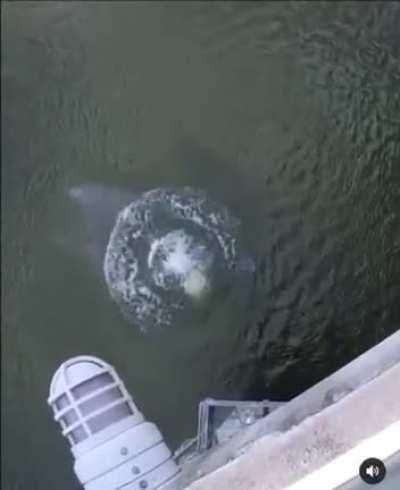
x=178, y=259
x=143, y=266
x=195, y=283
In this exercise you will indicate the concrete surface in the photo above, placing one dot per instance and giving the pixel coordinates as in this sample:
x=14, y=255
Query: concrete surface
x=312, y=430
x=391, y=481
x=345, y=467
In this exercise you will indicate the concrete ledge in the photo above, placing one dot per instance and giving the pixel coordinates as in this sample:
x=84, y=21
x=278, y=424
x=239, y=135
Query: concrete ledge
x=334, y=416
x=343, y=469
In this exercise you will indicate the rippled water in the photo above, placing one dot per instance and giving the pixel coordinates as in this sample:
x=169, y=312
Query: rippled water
x=287, y=112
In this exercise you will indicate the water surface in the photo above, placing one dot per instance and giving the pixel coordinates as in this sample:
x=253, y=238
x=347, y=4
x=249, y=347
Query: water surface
x=287, y=112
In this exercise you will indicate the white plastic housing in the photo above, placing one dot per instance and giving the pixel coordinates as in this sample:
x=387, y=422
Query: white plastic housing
x=114, y=447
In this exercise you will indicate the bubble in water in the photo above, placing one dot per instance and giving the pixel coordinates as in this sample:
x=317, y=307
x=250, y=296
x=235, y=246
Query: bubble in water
x=168, y=251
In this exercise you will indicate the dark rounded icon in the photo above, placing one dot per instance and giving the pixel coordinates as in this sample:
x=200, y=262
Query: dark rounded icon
x=372, y=471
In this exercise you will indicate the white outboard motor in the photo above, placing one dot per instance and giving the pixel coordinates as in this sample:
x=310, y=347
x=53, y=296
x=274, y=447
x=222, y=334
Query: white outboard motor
x=113, y=446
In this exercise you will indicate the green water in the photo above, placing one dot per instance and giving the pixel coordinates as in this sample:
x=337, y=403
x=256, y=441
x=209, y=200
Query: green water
x=287, y=112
